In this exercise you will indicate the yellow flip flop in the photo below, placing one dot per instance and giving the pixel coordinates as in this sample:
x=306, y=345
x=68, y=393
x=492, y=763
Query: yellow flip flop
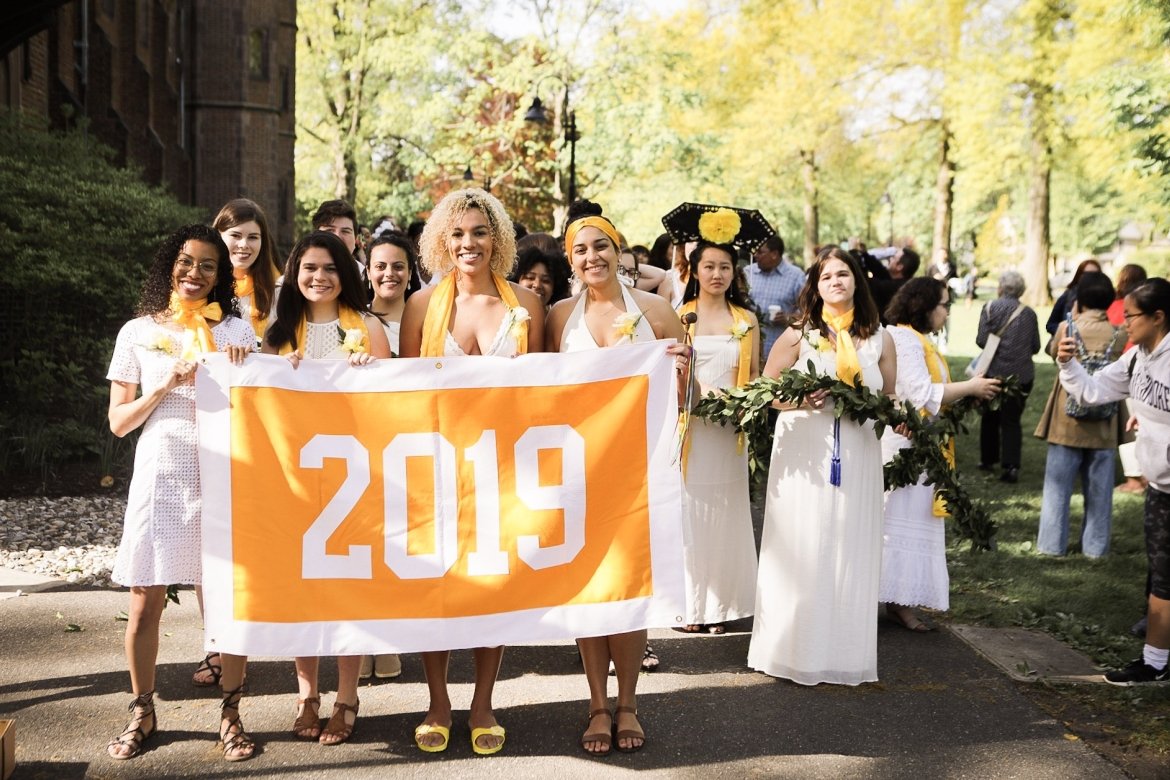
x=493, y=731
x=426, y=728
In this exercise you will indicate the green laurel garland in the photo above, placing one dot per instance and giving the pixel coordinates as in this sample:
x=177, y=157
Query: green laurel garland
x=746, y=409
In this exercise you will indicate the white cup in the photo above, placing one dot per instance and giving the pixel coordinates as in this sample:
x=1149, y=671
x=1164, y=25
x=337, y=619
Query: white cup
x=774, y=311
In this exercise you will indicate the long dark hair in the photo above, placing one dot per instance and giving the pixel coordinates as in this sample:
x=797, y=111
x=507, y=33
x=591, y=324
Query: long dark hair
x=263, y=270
x=290, y=307
x=403, y=242
x=914, y=302
x=734, y=294
x=157, y=288
x=865, y=314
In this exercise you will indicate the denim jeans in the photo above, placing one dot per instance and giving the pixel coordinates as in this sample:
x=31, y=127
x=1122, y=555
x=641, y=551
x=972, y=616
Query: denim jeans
x=1095, y=468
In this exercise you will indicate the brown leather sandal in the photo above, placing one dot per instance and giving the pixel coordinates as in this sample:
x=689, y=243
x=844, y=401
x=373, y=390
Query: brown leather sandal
x=628, y=733
x=237, y=745
x=337, y=730
x=308, y=718
x=604, y=737
x=134, y=736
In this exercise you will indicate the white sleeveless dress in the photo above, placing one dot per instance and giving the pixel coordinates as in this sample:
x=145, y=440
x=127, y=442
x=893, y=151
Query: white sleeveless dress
x=719, y=545
x=577, y=337
x=503, y=344
x=820, y=555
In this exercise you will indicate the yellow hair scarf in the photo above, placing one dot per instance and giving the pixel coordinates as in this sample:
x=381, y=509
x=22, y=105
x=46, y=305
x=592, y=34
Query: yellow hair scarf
x=347, y=320
x=193, y=316
x=438, y=316
x=740, y=323
x=848, y=366
x=245, y=288
x=940, y=374
x=601, y=223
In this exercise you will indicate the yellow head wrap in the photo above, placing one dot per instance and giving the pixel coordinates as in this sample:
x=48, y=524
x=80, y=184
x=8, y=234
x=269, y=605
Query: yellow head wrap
x=601, y=223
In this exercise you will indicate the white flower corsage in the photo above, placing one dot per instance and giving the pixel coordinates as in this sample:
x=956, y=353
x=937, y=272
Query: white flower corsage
x=817, y=341
x=626, y=324
x=516, y=319
x=740, y=330
x=352, y=340
x=161, y=342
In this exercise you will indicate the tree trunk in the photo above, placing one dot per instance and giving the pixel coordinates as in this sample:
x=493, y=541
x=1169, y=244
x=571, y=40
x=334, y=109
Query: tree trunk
x=944, y=195
x=808, y=172
x=1036, y=246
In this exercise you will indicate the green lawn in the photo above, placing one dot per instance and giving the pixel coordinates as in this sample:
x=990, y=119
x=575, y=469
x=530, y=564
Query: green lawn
x=1089, y=604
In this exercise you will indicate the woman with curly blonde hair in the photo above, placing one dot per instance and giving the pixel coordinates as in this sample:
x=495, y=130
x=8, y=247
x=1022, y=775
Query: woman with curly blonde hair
x=472, y=310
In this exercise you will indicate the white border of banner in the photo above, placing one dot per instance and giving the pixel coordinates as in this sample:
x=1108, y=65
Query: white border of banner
x=664, y=487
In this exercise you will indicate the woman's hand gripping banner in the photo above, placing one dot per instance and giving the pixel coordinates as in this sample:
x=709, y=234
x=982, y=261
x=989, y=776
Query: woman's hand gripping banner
x=434, y=504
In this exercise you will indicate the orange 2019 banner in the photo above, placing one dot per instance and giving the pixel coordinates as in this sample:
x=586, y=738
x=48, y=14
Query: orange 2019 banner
x=437, y=503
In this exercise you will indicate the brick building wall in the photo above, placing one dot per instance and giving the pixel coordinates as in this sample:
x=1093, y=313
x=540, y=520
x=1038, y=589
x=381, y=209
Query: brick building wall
x=197, y=93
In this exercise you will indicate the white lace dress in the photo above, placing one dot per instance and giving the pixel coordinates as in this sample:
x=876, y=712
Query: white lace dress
x=820, y=555
x=719, y=546
x=161, y=535
x=914, y=553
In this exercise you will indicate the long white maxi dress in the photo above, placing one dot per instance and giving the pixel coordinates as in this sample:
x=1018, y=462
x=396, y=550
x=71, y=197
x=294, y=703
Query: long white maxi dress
x=820, y=555
x=719, y=546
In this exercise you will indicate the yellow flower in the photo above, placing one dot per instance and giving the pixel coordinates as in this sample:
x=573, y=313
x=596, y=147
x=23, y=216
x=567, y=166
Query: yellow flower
x=353, y=340
x=161, y=342
x=517, y=318
x=627, y=324
x=719, y=226
x=740, y=330
x=817, y=341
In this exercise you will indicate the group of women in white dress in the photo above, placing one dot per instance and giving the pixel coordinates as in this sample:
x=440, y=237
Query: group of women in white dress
x=815, y=591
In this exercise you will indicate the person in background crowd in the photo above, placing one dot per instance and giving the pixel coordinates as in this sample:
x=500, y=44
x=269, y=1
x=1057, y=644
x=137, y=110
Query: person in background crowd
x=1000, y=436
x=884, y=282
x=186, y=308
x=1129, y=278
x=661, y=253
x=1067, y=298
x=394, y=277
x=339, y=218
x=1142, y=376
x=541, y=272
x=1081, y=445
x=774, y=285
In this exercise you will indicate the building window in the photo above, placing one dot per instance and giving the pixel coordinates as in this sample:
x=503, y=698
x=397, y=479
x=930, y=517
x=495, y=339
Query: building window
x=258, y=54
x=26, y=68
x=285, y=89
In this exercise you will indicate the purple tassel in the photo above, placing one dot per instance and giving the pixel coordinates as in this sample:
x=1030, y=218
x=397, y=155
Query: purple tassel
x=835, y=463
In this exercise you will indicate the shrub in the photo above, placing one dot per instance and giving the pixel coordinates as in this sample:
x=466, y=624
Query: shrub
x=76, y=235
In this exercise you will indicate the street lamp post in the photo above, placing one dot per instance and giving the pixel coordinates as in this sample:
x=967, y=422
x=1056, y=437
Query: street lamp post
x=538, y=114
x=889, y=201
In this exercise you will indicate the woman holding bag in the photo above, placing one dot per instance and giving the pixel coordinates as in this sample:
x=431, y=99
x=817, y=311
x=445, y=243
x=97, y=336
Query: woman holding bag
x=1000, y=436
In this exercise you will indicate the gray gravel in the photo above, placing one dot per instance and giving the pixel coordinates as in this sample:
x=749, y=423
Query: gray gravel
x=73, y=539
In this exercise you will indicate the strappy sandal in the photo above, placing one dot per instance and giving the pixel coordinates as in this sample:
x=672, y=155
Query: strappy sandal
x=338, y=730
x=237, y=745
x=604, y=737
x=628, y=733
x=308, y=718
x=215, y=671
x=135, y=738
x=649, y=660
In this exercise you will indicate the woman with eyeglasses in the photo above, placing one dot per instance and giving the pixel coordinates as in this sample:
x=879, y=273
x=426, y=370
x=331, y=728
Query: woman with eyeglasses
x=1142, y=377
x=914, y=553
x=187, y=308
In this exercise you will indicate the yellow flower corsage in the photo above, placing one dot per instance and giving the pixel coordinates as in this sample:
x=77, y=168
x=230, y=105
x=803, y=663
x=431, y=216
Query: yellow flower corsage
x=352, y=340
x=627, y=324
x=161, y=343
x=740, y=330
x=516, y=319
x=817, y=341
x=719, y=226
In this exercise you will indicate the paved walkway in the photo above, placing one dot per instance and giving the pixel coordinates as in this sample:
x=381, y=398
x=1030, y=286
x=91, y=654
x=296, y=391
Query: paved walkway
x=940, y=711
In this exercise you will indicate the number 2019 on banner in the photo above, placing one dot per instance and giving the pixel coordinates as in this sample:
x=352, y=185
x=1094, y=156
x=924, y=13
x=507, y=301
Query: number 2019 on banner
x=488, y=558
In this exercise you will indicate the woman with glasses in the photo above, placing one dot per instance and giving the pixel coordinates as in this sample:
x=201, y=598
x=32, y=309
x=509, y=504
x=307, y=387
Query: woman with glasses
x=1142, y=377
x=186, y=308
x=914, y=553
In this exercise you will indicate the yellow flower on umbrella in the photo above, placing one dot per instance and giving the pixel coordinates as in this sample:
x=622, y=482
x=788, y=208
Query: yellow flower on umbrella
x=719, y=226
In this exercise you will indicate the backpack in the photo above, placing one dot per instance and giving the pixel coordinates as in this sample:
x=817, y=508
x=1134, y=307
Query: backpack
x=1093, y=363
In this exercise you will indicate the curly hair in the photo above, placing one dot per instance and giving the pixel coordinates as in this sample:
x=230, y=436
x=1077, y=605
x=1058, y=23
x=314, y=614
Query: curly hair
x=448, y=213
x=290, y=306
x=159, y=283
x=263, y=270
x=558, y=269
x=734, y=293
x=865, y=314
x=914, y=302
x=403, y=242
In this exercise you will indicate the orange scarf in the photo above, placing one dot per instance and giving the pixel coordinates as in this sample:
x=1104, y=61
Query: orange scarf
x=193, y=316
x=245, y=288
x=347, y=320
x=438, y=316
x=848, y=366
